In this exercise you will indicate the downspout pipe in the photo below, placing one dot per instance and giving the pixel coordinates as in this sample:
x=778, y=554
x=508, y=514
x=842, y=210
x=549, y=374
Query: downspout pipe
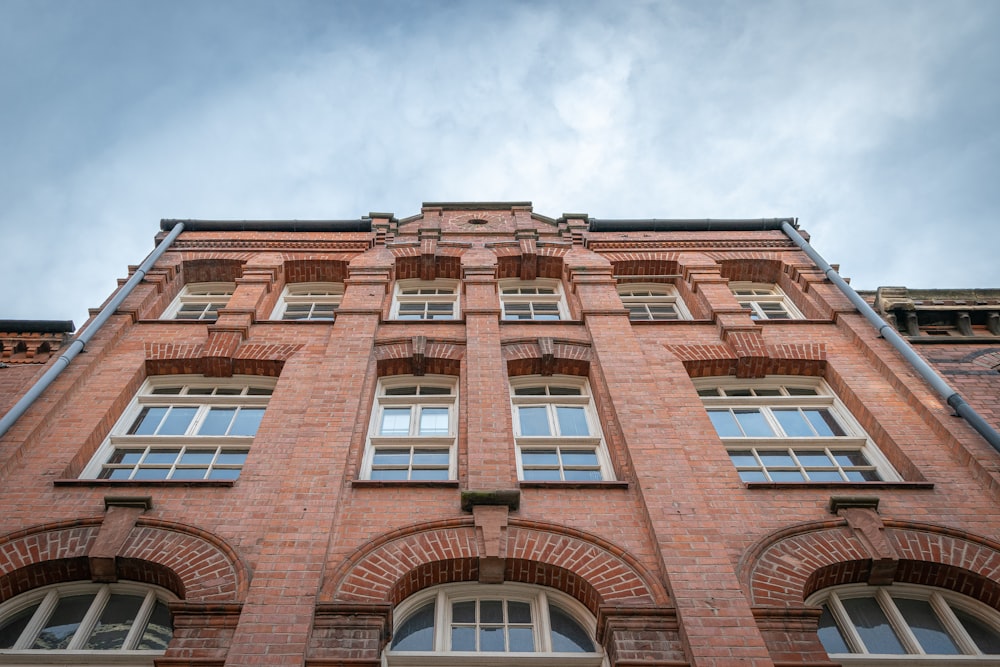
x=888, y=332
x=80, y=342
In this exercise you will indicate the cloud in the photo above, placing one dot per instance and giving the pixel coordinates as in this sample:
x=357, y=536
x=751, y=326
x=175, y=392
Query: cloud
x=875, y=124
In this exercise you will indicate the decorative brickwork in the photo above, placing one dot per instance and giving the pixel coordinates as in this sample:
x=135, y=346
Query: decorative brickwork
x=439, y=358
x=786, y=568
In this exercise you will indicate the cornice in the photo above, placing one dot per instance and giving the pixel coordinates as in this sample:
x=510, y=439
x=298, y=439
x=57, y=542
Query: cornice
x=667, y=245
x=276, y=245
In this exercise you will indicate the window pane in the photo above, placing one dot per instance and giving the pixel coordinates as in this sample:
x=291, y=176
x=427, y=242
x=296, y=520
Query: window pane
x=724, y=424
x=151, y=473
x=11, y=630
x=430, y=457
x=582, y=475
x=232, y=457
x=985, y=637
x=126, y=456
x=247, y=421
x=541, y=475
x=825, y=476
x=429, y=474
x=389, y=474
x=426, y=390
x=776, y=459
x=793, y=423
x=529, y=391
x=491, y=611
x=824, y=423
x=873, y=626
x=395, y=421
x=147, y=421
x=159, y=629
x=518, y=612
x=491, y=639
x=539, y=457
x=217, y=421
x=391, y=457
x=417, y=632
x=572, y=421
x=116, y=620
x=579, y=458
x=189, y=473
x=533, y=420
x=401, y=391
x=463, y=612
x=925, y=625
x=814, y=459
x=787, y=476
x=197, y=456
x=224, y=473
x=850, y=457
x=162, y=456
x=463, y=638
x=567, y=635
x=564, y=391
x=434, y=421
x=752, y=476
x=63, y=623
x=521, y=639
x=177, y=421
x=743, y=458
x=753, y=423
x=829, y=634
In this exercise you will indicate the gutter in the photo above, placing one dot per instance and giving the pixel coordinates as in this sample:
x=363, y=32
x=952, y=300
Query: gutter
x=360, y=225
x=80, y=342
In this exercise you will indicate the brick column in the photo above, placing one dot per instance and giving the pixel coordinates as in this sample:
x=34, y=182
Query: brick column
x=671, y=464
x=297, y=490
x=490, y=441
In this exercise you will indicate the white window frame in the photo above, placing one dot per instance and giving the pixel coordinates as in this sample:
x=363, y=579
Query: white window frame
x=854, y=439
x=764, y=301
x=317, y=299
x=47, y=598
x=530, y=295
x=427, y=293
x=647, y=302
x=539, y=598
x=412, y=440
x=221, y=447
x=209, y=296
x=593, y=442
x=942, y=601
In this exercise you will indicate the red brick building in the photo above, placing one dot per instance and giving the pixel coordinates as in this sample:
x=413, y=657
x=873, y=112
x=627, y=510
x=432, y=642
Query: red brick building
x=480, y=435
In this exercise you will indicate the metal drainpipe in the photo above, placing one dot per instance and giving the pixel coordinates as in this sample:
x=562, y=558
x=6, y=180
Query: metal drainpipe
x=887, y=332
x=80, y=342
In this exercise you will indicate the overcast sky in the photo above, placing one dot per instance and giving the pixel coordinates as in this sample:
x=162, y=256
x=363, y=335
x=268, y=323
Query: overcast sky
x=874, y=123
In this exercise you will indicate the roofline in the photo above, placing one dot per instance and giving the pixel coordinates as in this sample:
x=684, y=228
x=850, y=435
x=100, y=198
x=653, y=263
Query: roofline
x=359, y=225
x=476, y=205
x=690, y=225
x=37, y=326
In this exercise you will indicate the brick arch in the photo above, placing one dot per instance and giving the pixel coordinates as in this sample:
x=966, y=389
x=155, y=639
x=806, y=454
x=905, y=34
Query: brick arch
x=549, y=262
x=407, y=358
x=645, y=264
x=315, y=270
x=410, y=264
x=406, y=561
x=754, y=269
x=786, y=567
x=808, y=359
x=526, y=357
x=210, y=270
x=193, y=564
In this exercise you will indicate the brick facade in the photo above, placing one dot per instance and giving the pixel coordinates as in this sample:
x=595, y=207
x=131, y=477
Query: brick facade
x=303, y=560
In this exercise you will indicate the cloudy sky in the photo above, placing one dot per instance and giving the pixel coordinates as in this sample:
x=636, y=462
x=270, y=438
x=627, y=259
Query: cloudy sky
x=874, y=123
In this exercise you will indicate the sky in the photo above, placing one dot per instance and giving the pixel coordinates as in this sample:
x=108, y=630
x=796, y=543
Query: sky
x=874, y=123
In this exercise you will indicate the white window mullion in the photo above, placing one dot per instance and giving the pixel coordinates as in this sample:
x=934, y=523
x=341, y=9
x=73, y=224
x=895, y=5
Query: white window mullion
x=846, y=625
x=38, y=620
x=138, y=628
x=952, y=625
x=543, y=629
x=442, y=622
x=90, y=619
x=898, y=623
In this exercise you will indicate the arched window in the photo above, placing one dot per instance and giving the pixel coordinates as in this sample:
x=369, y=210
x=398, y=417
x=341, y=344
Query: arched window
x=88, y=620
x=508, y=624
x=864, y=625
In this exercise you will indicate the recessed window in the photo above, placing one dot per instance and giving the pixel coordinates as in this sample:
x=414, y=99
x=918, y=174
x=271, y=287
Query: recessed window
x=556, y=431
x=412, y=433
x=789, y=429
x=309, y=301
x=537, y=300
x=867, y=624
x=764, y=301
x=425, y=300
x=184, y=428
x=200, y=301
x=124, y=618
x=523, y=624
x=652, y=302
